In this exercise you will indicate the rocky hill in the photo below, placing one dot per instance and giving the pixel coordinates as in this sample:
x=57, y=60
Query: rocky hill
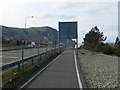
x=36, y=34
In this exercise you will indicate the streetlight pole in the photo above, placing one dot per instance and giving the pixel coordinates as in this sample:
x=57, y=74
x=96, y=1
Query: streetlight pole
x=26, y=20
x=23, y=43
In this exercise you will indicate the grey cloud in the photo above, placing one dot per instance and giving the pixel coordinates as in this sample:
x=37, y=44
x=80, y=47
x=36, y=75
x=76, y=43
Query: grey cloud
x=58, y=16
x=97, y=7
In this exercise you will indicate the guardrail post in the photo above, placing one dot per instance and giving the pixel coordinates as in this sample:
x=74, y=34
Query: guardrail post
x=22, y=59
x=46, y=55
x=32, y=60
x=38, y=49
x=39, y=58
x=19, y=67
x=49, y=53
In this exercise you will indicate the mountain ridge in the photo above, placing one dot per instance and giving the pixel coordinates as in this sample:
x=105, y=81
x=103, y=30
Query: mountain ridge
x=37, y=34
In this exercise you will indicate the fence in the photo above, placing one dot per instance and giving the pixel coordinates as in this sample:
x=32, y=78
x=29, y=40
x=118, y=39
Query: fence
x=20, y=63
x=15, y=69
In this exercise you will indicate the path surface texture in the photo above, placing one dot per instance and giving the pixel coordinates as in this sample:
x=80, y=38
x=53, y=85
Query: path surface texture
x=60, y=74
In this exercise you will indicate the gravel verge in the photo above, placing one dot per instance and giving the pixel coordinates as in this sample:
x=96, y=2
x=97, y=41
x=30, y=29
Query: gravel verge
x=99, y=70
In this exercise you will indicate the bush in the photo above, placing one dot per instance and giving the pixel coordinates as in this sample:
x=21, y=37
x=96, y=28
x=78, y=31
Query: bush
x=117, y=52
x=81, y=47
x=109, y=51
x=17, y=42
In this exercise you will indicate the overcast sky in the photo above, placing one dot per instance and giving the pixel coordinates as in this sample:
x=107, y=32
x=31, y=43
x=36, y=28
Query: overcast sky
x=49, y=12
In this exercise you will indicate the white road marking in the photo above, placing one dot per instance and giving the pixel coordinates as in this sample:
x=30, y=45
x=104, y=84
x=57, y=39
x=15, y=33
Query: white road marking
x=38, y=73
x=78, y=76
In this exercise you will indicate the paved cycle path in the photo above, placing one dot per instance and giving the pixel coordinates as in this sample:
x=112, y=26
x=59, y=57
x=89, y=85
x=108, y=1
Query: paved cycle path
x=60, y=74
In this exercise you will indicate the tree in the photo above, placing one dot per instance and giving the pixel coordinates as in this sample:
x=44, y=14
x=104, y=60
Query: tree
x=117, y=40
x=17, y=42
x=117, y=46
x=94, y=39
x=117, y=43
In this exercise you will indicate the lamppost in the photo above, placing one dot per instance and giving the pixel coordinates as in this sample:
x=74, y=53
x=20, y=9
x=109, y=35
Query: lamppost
x=24, y=43
x=26, y=20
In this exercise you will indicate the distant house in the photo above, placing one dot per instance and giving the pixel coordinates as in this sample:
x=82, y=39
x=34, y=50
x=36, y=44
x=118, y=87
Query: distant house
x=32, y=44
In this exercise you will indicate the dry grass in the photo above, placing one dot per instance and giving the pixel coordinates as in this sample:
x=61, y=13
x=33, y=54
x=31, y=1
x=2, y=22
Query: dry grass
x=69, y=48
x=84, y=51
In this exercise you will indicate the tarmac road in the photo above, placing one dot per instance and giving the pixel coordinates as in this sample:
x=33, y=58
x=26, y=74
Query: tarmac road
x=11, y=56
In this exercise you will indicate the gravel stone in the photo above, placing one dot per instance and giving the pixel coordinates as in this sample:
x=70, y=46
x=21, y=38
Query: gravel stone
x=99, y=70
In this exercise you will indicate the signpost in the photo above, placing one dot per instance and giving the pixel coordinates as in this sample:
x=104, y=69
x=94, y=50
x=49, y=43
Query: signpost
x=67, y=31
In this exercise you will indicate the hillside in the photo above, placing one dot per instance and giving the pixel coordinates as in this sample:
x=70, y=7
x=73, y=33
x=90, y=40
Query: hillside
x=36, y=34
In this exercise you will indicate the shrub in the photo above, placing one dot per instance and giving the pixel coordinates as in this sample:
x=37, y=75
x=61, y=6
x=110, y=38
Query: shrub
x=117, y=52
x=17, y=42
x=109, y=51
x=81, y=47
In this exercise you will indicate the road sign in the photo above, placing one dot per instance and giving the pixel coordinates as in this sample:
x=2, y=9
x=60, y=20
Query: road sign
x=68, y=30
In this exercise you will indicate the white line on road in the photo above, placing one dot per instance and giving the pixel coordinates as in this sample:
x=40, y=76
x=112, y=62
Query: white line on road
x=38, y=73
x=78, y=76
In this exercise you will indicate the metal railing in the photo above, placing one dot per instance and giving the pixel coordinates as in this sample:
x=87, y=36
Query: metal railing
x=20, y=63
